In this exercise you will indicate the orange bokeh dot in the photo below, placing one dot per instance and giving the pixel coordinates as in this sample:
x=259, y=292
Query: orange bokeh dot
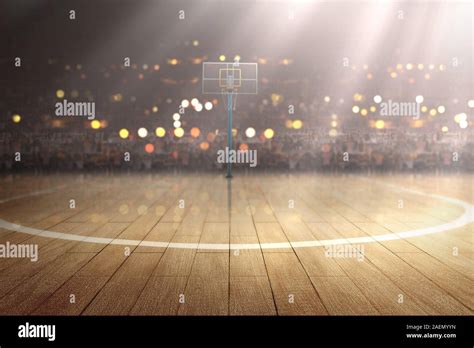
x=243, y=147
x=211, y=137
x=195, y=132
x=204, y=145
x=149, y=148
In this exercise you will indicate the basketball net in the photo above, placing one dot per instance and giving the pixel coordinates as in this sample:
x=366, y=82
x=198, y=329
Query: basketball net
x=224, y=97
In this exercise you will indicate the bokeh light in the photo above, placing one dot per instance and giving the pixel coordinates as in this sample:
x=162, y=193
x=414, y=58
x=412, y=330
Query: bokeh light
x=250, y=132
x=60, y=93
x=179, y=132
x=208, y=106
x=297, y=124
x=149, y=148
x=160, y=132
x=16, y=118
x=379, y=124
x=460, y=117
x=211, y=137
x=268, y=133
x=358, y=97
x=95, y=124
x=195, y=132
x=117, y=97
x=243, y=147
x=124, y=133
x=142, y=132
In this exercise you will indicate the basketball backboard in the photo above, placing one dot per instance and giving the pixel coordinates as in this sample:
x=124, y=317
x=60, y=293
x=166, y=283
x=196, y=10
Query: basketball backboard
x=229, y=78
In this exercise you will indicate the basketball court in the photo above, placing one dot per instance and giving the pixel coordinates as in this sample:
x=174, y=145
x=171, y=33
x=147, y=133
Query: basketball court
x=264, y=244
x=270, y=158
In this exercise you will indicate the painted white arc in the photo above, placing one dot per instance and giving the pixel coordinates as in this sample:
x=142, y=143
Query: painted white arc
x=466, y=218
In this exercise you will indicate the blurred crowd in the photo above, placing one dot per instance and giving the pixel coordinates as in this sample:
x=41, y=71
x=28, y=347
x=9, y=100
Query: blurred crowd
x=329, y=137
x=305, y=150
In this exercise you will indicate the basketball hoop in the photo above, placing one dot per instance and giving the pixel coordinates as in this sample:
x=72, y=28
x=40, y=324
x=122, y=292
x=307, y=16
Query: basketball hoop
x=229, y=79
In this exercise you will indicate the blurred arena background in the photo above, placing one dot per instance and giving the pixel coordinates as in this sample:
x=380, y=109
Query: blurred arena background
x=164, y=233
x=322, y=68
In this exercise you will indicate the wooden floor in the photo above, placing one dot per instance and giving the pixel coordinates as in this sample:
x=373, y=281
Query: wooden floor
x=421, y=275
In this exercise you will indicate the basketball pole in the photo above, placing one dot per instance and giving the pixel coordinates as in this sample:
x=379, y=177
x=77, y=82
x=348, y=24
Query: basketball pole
x=218, y=78
x=229, y=133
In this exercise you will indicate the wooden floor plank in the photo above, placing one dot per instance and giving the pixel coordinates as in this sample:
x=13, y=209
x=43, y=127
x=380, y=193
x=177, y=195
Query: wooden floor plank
x=122, y=291
x=160, y=296
x=251, y=296
x=207, y=291
x=342, y=297
x=161, y=232
x=177, y=262
x=382, y=293
x=292, y=289
x=35, y=290
x=214, y=232
x=451, y=281
x=430, y=274
x=272, y=232
x=246, y=262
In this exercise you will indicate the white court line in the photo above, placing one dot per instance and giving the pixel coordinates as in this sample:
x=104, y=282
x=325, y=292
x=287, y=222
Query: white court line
x=36, y=193
x=466, y=218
